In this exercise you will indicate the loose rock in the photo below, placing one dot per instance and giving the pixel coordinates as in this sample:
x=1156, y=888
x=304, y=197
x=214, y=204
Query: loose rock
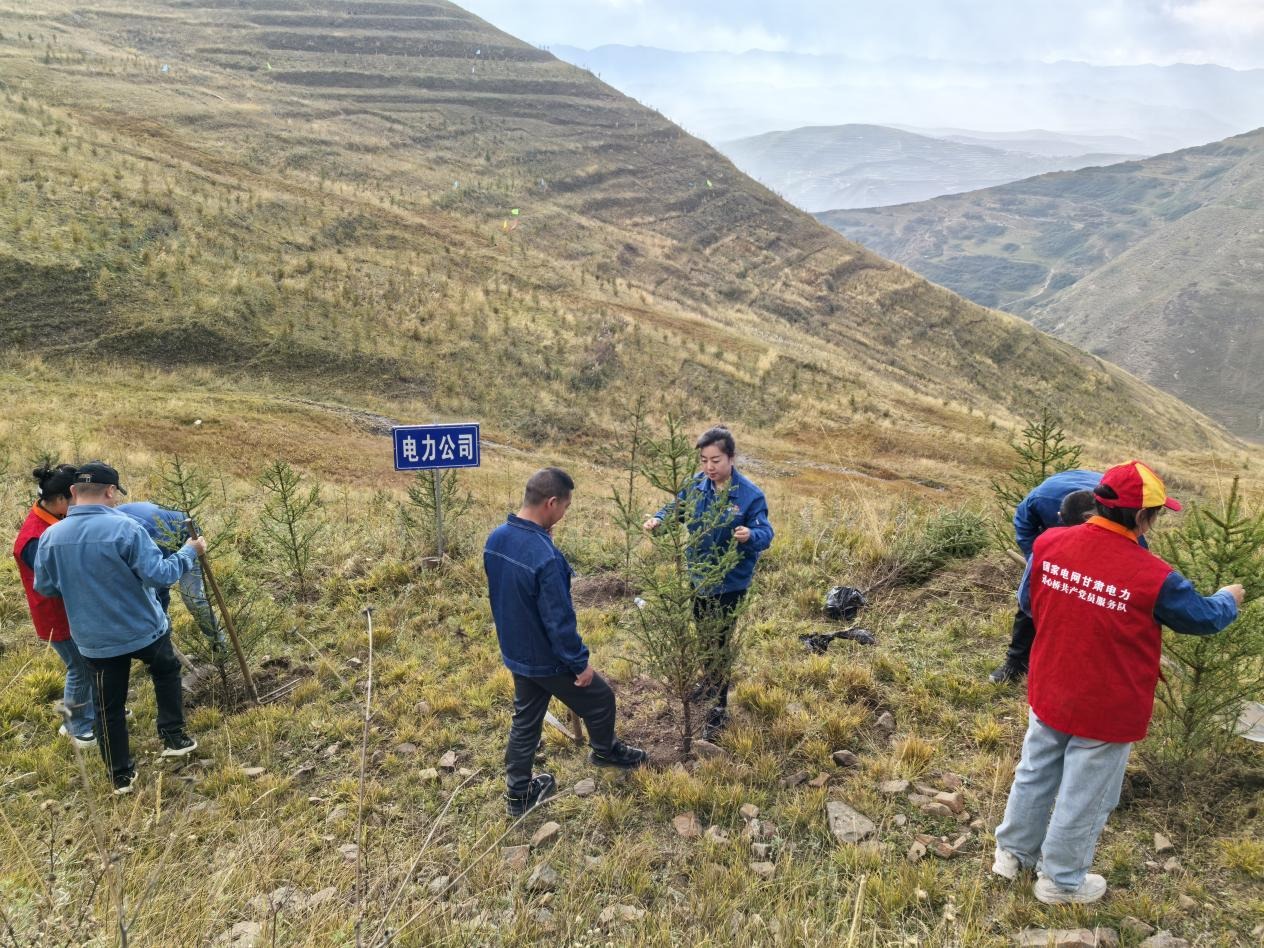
x=241, y=935
x=794, y=779
x=278, y=899
x=915, y=852
x=765, y=870
x=899, y=819
x=438, y=884
x=586, y=787
x=706, y=749
x=624, y=913
x=1164, y=939
x=543, y=879
x=1134, y=926
x=951, y=781
x=427, y=775
x=845, y=758
x=848, y=825
x=448, y=761
x=516, y=857
x=716, y=835
x=687, y=826
x=1186, y=903
x=546, y=833
x=1172, y=865
x=885, y=725
x=320, y=898
x=1065, y=937
x=350, y=851
x=761, y=851
x=254, y=771
x=935, y=809
x=954, y=801
x=407, y=748
x=819, y=781
x=893, y=786
x=1162, y=844
x=749, y=811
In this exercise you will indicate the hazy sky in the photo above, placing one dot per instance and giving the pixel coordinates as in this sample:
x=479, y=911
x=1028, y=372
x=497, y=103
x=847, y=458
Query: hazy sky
x=1105, y=32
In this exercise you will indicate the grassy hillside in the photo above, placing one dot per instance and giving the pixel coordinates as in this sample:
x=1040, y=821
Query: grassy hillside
x=301, y=230
x=822, y=168
x=324, y=195
x=1152, y=264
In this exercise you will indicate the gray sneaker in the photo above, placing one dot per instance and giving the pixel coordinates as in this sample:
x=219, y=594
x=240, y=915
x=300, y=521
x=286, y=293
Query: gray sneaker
x=1050, y=893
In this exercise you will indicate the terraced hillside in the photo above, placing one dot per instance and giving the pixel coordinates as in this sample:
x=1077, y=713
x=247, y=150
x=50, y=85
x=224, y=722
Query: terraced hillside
x=1157, y=265
x=396, y=200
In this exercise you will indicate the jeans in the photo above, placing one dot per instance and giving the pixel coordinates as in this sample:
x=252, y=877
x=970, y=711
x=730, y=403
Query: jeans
x=111, y=677
x=193, y=592
x=720, y=614
x=1020, y=638
x=1085, y=777
x=595, y=704
x=78, y=696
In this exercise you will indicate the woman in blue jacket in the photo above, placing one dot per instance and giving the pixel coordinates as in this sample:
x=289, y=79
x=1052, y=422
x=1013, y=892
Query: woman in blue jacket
x=747, y=524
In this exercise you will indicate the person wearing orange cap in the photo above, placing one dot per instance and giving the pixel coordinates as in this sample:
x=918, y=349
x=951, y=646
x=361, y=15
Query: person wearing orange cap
x=1099, y=600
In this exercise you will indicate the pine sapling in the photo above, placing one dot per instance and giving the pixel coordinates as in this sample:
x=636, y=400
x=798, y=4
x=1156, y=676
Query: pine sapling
x=1208, y=680
x=680, y=648
x=1042, y=452
x=288, y=519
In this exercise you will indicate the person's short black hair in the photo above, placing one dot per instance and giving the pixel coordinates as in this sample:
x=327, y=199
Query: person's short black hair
x=1077, y=507
x=545, y=483
x=54, y=480
x=717, y=435
x=1124, y=516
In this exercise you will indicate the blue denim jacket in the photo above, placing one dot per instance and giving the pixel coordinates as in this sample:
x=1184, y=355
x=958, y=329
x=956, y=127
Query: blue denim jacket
x=1039, y=509
x=748, y=508
x=106, y=569
x=529, y=582
x=167, y=529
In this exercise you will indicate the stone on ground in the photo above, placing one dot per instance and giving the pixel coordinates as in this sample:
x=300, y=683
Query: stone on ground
x=687, y=826
x=848, y=825
x=546, y=833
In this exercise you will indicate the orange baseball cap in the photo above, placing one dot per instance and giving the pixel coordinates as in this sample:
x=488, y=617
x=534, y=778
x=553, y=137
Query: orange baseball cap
x=1137, y=486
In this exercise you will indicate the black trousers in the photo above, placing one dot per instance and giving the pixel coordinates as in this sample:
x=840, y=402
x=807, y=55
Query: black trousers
x=595, y=704
x=719, y=613
x=112, y=676
x=1020, y=638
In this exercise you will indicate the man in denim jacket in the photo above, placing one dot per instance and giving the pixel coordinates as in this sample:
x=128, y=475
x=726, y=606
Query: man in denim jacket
x=106, y=570
x=529, y=582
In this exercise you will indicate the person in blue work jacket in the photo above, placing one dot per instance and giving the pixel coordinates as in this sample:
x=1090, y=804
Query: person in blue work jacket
x=529, y=583
x=168, y=529
x=105, y=568
x=1041, y=509
x=749, y=526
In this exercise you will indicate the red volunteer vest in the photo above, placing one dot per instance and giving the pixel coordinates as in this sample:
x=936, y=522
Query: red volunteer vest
x=49, y=615
x=1095, y=661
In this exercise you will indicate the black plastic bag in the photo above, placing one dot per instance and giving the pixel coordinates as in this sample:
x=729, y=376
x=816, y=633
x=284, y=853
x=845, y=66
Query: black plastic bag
x=820, y=641
x=844, y=603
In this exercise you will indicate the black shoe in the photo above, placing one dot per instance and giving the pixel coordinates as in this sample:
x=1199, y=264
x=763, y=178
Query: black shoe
x=541, y=788
x=1007, y=673
x=717, y=718
x=123, y=784
x=177, y=744
x=620, y=755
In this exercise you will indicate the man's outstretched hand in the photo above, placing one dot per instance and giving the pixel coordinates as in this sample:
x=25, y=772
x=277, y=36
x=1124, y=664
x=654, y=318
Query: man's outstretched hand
x=584, y=678
x=1237, y=592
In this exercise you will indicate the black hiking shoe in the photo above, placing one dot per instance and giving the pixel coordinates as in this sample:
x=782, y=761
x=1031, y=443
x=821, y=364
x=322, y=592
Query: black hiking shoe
x=1007, y=673
x=124, y=782
x=620, y=755
x=716, y=720
x=541, y=788
x=177, y=744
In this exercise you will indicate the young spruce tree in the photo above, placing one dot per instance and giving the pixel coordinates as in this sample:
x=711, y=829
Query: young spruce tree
x=679, y=649
x=1208, y=680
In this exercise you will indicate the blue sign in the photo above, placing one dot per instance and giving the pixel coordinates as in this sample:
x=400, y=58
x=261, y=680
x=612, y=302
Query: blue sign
x=432, y=447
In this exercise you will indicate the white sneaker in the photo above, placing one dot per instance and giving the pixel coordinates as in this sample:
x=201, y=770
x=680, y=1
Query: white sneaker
x=80, y=742
x=1050, y=893
x=1006, y=865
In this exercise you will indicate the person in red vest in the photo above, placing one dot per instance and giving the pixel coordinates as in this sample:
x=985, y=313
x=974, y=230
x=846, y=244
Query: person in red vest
x=1098, y=599
x=47, y=612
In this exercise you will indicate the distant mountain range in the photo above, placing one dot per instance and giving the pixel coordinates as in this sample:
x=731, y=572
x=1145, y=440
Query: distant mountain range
x=843, y=166
x=1157, y=265
x=725, y=96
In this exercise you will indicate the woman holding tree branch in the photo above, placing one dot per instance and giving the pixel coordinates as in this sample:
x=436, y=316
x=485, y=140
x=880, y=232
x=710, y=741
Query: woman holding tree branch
x=719, y=482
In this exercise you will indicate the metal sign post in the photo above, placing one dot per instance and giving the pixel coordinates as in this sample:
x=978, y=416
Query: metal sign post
x=436, y=448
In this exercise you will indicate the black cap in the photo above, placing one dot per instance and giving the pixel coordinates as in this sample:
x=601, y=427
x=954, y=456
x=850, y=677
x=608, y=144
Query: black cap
x=98, y=472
